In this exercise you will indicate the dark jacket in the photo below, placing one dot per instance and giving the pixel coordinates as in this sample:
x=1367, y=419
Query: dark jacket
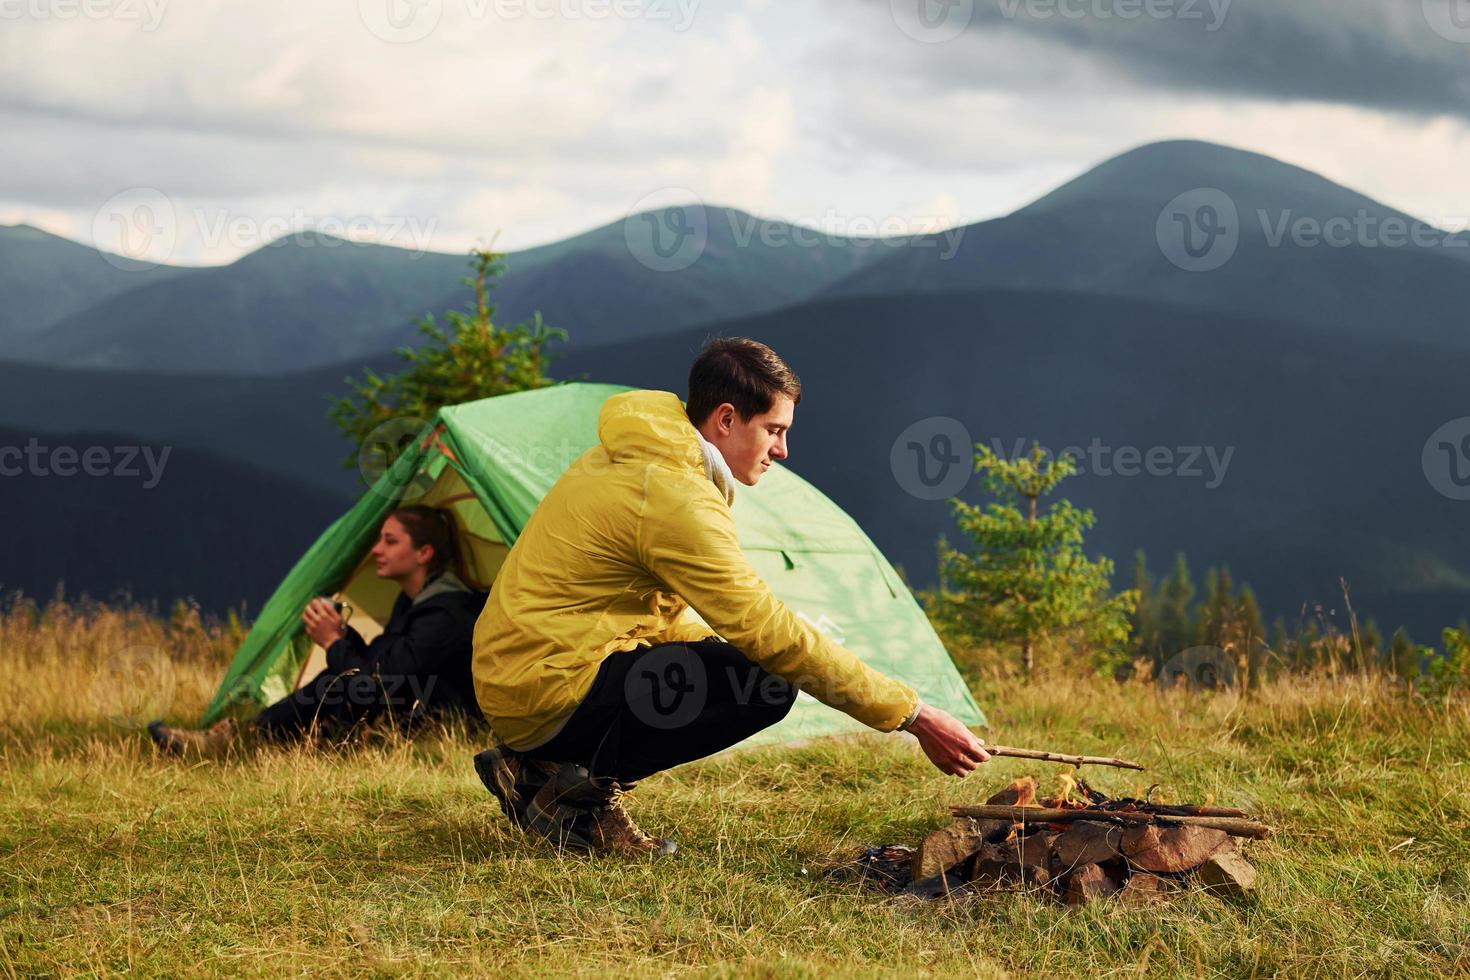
x=423, y=653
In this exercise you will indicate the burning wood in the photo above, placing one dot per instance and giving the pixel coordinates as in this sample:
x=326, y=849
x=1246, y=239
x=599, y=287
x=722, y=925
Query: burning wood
x=1032, y=814
x=1077, y=846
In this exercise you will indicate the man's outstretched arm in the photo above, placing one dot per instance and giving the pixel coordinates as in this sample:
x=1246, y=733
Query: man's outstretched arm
x=687, y=539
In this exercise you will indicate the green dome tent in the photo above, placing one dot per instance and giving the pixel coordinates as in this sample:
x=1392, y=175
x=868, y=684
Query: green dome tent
x=492, y=460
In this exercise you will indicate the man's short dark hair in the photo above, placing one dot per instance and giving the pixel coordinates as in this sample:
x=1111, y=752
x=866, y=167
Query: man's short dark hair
x=744, y=372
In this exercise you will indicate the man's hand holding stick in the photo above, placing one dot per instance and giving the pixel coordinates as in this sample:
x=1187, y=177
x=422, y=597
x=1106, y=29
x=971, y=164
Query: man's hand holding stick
x=955, y=750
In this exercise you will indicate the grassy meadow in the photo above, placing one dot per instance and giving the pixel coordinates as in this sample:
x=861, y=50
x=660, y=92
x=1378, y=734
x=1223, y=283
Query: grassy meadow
x=390, y=859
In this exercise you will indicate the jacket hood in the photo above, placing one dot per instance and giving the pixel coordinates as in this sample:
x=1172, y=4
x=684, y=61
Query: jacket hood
x=444, y=583
x=648, y=426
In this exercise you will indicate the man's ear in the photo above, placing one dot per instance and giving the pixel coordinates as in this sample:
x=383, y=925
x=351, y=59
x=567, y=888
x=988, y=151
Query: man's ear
x=725, y=417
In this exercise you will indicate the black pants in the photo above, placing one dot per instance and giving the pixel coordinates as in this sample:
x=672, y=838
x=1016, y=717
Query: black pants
x=659, y=707
x=338, y=702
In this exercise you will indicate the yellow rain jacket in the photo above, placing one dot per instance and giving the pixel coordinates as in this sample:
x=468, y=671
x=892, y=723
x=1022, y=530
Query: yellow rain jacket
x=631, y=536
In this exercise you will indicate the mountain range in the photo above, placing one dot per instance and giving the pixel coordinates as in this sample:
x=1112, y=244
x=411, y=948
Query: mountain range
x=310, y=299
x=1291, y=386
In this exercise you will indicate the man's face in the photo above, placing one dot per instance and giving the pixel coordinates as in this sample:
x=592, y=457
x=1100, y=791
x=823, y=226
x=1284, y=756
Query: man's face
x=751, y=445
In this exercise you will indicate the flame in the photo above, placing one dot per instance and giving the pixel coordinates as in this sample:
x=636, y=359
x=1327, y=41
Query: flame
x=1069, y=794
x=1025, y=790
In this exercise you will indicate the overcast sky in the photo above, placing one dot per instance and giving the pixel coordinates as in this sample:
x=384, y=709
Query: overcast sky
x=437, y=123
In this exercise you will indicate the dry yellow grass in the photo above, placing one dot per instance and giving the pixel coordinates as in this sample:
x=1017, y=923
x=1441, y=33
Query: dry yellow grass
x=391, y=859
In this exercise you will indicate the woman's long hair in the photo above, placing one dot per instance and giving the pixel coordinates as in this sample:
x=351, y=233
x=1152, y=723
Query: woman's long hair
x=433, y=526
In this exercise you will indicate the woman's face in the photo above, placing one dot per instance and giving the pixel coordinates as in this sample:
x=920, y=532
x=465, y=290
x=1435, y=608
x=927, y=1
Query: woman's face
x=395, y=555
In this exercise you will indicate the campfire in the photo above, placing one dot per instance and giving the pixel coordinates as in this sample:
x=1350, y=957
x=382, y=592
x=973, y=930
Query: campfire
x=1077, y=846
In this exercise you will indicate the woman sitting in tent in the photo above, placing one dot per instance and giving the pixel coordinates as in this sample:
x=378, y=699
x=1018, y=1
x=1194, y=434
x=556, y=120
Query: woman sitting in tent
x=418, y=667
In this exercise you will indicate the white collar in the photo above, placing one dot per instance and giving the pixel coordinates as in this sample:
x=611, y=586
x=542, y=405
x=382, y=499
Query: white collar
x=716, y=468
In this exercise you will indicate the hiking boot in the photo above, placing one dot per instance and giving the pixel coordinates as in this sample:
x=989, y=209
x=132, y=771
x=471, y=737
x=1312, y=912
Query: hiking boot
x=511, y=779
x=576, y=809
x=213, y=741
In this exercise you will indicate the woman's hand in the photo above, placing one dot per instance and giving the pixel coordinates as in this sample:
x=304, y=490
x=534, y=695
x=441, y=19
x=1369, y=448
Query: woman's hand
x=951, y=746
x=323, y=624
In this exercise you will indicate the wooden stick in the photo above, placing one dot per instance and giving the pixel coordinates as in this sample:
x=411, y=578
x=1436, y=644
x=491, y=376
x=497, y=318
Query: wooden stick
x=1203, y=811
x=1035, y=814
x=1074, y=760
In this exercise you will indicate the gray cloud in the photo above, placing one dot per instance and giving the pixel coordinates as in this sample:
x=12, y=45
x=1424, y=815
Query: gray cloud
x=1379, y=54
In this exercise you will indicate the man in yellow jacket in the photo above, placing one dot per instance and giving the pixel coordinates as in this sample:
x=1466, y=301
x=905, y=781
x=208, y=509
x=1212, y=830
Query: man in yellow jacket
x=627, y=634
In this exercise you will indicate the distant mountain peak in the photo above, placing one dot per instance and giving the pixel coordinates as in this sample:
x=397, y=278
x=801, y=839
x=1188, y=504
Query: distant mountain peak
x=1154, y=173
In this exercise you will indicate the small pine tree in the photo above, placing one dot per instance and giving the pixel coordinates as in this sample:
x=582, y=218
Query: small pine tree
x=1372, y=645
x=1251, y=630
x=1450, y=669
x=471, y=358
x=1146, y=613
x=1176, y=614
x=1280, y=644
x=1027, y=575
